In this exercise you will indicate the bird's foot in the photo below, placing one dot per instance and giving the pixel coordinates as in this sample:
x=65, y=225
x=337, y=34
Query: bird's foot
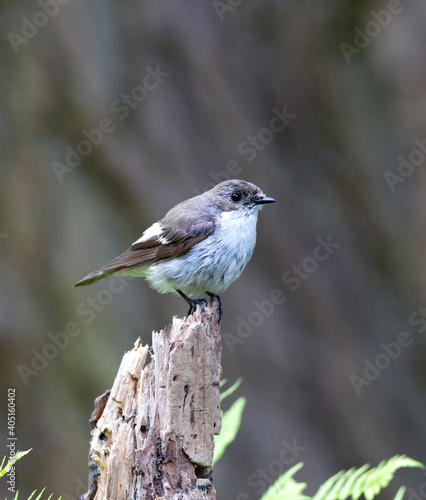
x=212, y=297
x=193, y=303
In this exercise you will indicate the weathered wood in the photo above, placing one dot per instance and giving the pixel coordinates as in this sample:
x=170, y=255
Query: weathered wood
x=154, y=437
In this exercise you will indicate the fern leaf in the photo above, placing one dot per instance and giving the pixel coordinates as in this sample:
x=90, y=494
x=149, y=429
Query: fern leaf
x=357, y=482
x=231, y=421
x=40, y=494
x=340, y=487
x=18, y=455
x=232, y=389
x=379, y=477
x=287, y=487
x=352, y=477
x=326, y=488
x=400, y=493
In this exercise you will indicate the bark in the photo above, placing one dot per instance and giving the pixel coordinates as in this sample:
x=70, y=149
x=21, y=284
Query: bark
x=153, y=434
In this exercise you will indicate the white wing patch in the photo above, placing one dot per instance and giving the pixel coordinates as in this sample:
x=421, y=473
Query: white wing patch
x=155, y=231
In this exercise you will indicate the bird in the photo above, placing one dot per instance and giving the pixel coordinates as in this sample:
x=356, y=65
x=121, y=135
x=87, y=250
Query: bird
x=200, y=246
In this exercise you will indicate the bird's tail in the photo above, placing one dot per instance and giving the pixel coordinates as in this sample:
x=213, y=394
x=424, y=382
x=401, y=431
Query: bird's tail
x=95, y=276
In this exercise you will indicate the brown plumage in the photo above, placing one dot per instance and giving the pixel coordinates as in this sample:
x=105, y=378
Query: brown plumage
x=152, y=251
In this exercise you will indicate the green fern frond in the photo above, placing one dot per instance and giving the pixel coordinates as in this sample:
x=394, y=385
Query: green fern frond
x=351, y=479
x=232, y=389
x=356, y=482
x=41, y=494
x=3, y=471
x=400, y=493
x=342, y=482
x=231, y=421
x=351, y=483
x=18, y=455
x=38, y=496
x=285, y=487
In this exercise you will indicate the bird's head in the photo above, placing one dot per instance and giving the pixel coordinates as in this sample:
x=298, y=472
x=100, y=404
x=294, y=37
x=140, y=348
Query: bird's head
x=236, y=194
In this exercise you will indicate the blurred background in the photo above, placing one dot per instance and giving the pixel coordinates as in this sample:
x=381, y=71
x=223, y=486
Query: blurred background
x=113, y=112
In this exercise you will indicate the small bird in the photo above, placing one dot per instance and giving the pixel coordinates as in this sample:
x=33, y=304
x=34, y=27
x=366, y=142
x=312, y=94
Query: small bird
x=200, y=247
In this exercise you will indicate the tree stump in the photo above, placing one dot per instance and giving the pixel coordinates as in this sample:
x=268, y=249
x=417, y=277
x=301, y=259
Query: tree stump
x=153, y=433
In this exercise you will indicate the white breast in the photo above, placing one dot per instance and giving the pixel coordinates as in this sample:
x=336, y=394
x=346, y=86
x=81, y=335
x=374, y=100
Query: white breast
x=213, y=264
x=236, y=235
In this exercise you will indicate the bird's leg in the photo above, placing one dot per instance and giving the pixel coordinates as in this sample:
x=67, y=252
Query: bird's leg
x=212, y=297
x=193, y=303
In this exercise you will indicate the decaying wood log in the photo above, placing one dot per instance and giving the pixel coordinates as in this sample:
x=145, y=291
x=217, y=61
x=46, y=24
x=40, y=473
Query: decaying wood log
x=153, y=434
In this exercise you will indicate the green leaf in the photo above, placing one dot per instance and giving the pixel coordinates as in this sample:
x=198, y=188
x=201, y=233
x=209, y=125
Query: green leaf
x=232, y=389
x=400, y=493
x=286, y=487
x=39, y=496
x=231, y=421
x=355, y=482
x=11, y=461
x=352, y=483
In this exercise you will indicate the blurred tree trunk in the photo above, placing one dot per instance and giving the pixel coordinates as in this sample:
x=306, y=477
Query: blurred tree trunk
x=153, y=434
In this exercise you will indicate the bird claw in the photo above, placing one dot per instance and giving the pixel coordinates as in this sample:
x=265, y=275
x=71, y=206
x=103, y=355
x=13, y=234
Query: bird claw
x=193, y=303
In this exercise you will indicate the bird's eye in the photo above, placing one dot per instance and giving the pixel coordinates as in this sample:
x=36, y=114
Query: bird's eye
x=236, y=197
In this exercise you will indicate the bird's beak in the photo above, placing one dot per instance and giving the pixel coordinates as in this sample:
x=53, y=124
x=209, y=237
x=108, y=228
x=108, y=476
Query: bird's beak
x=264, y=200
